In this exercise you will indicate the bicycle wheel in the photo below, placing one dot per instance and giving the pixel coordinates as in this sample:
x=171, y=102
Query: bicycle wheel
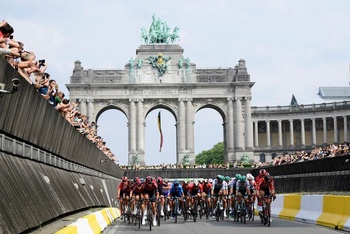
x=139, y=216
x=194, y=211
x=207, y=210
x=176, y=208
x=149, y=214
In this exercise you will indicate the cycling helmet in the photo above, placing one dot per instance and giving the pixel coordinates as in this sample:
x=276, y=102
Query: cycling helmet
x=262, y=172
x=149, y=179
x=267, y=178
x=176, y=183
x=124, y=178
x=137, y=180
x=186, y=181
x=159, y=180
x=238, y=176
x=196, y=183
x=220, y=177
x=142, y=180
x=250, y=176
x=242, y=179
x=227, y=178
x=210, y=180
x=205, y=181
x=166, y=180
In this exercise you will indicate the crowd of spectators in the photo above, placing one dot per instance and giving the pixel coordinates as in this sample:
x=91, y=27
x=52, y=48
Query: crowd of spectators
x=332, y=150
x=34, y=71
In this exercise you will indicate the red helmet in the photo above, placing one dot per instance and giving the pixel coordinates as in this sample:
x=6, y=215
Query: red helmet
x=137, y=180
x=149, y=179
x=124, y=178
x=159, y=180
x=262, y=172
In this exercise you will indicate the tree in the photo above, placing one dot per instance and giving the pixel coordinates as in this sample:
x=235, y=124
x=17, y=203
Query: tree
x=214, y=155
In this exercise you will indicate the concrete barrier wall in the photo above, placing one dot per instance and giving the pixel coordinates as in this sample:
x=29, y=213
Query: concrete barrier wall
x=326, y=210
x=28, y=117
x=34, y=193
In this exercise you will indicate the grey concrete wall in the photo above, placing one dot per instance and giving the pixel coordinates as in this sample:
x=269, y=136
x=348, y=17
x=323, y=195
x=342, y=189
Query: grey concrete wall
x=47, y=168
x=27, y=116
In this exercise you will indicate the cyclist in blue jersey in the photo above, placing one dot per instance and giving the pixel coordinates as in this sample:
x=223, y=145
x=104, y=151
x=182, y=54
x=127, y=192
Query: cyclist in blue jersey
x=175, y=191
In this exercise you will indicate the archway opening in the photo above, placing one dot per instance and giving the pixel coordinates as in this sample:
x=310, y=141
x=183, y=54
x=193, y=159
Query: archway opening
x=153, y=154
x=208, y=129
x=112, y=127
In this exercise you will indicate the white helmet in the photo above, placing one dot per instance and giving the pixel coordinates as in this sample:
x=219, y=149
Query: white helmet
x=210, y=180
x=196, y=183
x=250, y=176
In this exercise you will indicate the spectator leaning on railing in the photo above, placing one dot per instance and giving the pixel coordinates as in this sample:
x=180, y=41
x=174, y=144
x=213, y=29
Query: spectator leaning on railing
x=35, y=73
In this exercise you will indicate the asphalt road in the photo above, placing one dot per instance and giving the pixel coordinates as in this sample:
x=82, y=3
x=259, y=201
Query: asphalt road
x=203, y=226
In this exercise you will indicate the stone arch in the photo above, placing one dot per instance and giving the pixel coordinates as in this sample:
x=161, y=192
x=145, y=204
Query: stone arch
x=181, y=90
x=99, y=112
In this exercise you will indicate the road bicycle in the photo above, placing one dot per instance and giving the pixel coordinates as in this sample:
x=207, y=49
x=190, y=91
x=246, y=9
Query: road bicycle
x=265, y=215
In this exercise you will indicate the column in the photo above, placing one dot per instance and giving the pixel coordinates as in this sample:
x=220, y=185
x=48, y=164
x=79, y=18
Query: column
x=82, y=106
x=279, y=133
x=91, y=110
x=229, y=125
x=268, y=132
x=313, y=143
x=239, y=135
x=345, y=128
x=182, y=126
x=248, y=125
x=256, y=134
x=291, y=130
x=132, y=129
x=324, y=119
x=190, y=129
x=140, y=127
x=302, y=132
x=335, y=129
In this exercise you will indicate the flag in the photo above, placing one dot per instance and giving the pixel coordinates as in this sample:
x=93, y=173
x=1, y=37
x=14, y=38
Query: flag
x=294, y=103
x=161, y=133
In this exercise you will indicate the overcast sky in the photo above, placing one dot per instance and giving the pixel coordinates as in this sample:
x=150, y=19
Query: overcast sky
x=290, y=47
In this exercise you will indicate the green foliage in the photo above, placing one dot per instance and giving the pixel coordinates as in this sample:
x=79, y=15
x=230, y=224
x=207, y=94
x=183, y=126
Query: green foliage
x=213, y=156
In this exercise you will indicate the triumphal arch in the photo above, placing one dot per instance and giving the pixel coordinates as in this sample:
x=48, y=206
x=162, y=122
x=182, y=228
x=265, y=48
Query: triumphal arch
x=161, y=77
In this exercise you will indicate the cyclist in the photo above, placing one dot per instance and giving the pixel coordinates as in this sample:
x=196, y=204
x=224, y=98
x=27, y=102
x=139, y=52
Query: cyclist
x=232, y=193
x=218, y=191
x=123, y=193
x=251, y=181
x=186, y=186
x=195, y=191
x=259, y=177
x=206, y=194
x=136, y=193
x=265, y=187
x=150, y=192
x=163, y=189
x=227, y=191
x=175, y=191
x=242, y=189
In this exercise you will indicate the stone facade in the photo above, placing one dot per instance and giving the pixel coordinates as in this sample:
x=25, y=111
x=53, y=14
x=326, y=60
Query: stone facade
x=182, y=89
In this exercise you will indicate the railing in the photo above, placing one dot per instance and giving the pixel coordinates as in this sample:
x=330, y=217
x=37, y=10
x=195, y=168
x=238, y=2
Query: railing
x=301, y=108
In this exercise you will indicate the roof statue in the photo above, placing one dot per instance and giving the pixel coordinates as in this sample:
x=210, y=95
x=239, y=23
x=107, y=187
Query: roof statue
x=159, y=32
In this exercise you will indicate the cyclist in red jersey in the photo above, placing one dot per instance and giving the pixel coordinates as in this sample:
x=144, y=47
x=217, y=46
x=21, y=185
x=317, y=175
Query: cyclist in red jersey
x=195, y=190
x=136, y=193
x=186, y=184
x=123, y=192
x=150, y=191
x=258, y=178
x=265, y=187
